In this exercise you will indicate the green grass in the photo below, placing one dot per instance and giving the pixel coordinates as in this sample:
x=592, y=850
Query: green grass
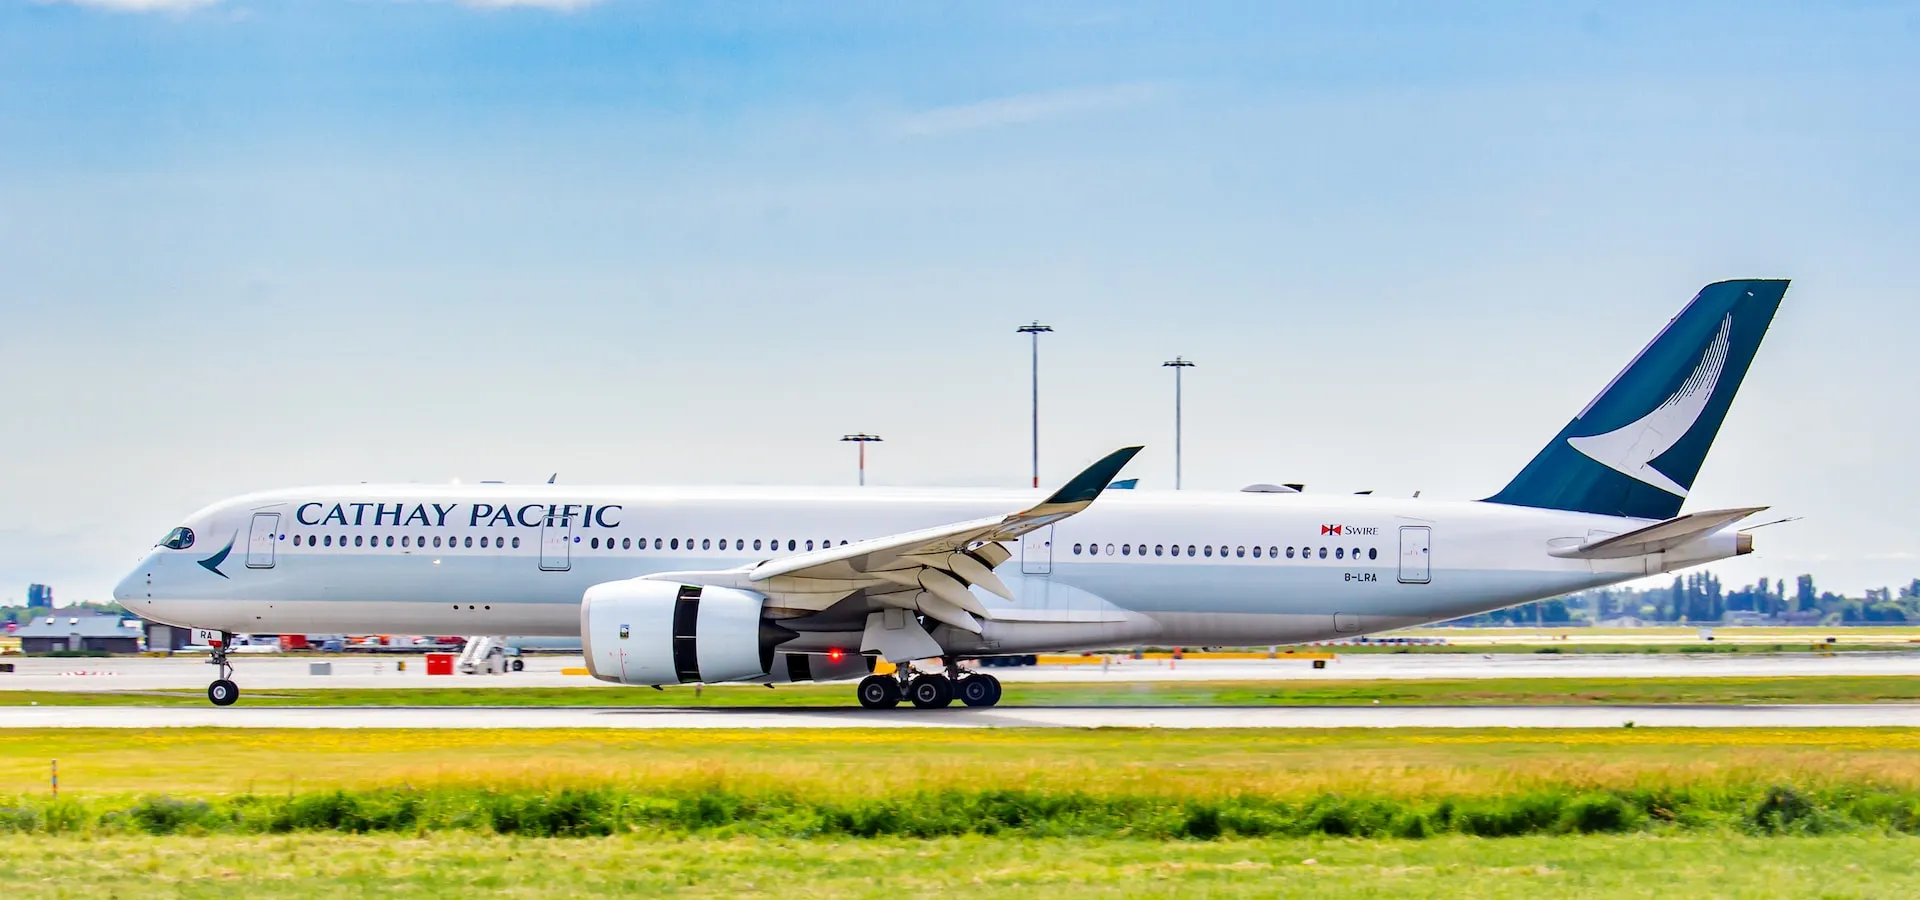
x=472, y=865
x=719, y=809
x=1015, y=813
x=1103, y=782
x=1304, y=692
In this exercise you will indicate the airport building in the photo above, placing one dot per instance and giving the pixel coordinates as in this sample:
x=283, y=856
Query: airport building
x=52, y=634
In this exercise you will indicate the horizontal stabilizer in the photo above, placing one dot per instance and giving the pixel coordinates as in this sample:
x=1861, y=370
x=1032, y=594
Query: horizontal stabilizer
x=1659, y=536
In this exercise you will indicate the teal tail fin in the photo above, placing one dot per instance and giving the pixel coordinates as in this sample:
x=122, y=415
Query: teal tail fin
x=1634, y=451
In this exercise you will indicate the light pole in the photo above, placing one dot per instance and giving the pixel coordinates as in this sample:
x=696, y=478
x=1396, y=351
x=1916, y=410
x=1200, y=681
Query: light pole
x=1036, y=330
x=1177, y=363
x=862, y=439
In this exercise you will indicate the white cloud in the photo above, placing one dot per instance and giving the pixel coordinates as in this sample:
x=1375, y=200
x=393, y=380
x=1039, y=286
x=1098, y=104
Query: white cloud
x=1022, y=108
x=139, y=5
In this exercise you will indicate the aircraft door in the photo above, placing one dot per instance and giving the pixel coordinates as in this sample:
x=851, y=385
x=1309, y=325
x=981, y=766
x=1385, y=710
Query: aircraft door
x=556, y=544
x=260, y=540
x=1036, y=552
x=1416, y=551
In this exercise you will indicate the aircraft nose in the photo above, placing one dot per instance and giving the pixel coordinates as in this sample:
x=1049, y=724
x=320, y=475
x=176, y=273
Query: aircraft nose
x=138, y=585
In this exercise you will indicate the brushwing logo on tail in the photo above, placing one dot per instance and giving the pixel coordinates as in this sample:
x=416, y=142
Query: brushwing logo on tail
x=1631, y=449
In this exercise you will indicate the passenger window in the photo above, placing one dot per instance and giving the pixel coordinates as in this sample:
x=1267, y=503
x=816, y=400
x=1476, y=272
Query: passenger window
x=1159, y=549
x=1126, y=549
x=436, y=540
x=1190, y=551
x=469, y=543
x=1109, y=549
x=1240, y=552
x=1076, y=549
x=809, y=545
x=627, y=543
x=357, y=540
x=1093, y=549
x=1208, y=550
x=1373, y=553
x=1256, y=551
x=676, y=543
x=756, y=543
x=1289, y=552
x=1339, y=553
x=516, y=543
x=594, y=544
x=1273, y=552
x=1323, y=553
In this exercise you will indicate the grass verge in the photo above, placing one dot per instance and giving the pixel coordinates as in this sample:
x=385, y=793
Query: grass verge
x=718, y=809
x=469, y=865
x=1035, y=783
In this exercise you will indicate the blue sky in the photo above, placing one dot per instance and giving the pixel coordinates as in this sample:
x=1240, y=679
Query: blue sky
x=247, y=244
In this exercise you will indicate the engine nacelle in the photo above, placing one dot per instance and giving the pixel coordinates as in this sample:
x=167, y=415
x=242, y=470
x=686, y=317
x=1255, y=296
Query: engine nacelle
x=660, y=632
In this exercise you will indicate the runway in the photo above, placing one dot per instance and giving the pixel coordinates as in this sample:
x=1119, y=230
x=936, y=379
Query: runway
x=486, y=718
x=348, y=671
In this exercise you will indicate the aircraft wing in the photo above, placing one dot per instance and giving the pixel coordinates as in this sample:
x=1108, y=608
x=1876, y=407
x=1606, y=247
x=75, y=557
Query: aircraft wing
x=927, y=571
x=1660, y=536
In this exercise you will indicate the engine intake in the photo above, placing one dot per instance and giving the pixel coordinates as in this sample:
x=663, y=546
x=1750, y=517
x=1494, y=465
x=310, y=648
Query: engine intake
x=659, y=632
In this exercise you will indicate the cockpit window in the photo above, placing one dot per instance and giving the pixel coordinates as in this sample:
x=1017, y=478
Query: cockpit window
x=178, y=539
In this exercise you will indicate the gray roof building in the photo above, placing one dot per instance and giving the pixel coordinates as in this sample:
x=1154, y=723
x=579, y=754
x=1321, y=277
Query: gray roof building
x=46, y=634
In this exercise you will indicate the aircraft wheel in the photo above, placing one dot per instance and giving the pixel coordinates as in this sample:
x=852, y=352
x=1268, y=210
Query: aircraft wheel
x=223, y=692
x=519, y=665
x=930, y=691
x=879, y=692
x=979, y=690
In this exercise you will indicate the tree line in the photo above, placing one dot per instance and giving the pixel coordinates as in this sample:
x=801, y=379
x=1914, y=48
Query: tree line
x=1701, y=598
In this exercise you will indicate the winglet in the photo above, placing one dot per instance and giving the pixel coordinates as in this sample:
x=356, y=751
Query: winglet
x=1089, y=483
x=1072, y=497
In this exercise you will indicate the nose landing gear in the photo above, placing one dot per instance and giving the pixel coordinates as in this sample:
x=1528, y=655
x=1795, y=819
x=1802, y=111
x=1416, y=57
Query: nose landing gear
x=222, y=692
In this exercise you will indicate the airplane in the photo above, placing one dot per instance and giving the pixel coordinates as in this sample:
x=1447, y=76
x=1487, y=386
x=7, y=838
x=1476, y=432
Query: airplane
x=673, y=585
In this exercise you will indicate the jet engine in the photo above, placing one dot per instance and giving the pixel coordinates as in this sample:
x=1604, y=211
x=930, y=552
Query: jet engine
x=660, y=632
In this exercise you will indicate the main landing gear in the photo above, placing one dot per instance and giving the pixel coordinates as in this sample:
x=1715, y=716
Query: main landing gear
x=222, y=691
x=929, y=691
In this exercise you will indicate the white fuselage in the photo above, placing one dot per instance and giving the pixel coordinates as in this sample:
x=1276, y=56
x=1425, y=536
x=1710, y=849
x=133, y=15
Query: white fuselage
x=1188, y=567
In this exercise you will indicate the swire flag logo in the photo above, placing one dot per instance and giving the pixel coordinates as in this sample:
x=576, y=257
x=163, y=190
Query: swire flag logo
x=1329, y=529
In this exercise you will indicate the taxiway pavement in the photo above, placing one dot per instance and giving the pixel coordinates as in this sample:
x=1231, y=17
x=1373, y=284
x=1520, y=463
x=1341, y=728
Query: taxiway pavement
x=266, y=672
